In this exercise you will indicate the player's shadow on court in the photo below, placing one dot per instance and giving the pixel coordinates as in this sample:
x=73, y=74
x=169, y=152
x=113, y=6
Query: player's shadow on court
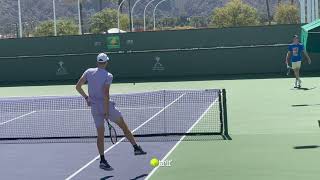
x=139, y=177
x=304, y=89
x=306, y=147
x=304, y=105
x=107, y=177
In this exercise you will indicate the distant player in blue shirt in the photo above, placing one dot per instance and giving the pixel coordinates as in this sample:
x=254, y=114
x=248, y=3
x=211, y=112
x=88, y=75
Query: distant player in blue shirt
x=294, y=55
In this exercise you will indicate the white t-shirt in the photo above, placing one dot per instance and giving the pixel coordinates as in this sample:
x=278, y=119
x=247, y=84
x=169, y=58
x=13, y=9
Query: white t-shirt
x=97, y=78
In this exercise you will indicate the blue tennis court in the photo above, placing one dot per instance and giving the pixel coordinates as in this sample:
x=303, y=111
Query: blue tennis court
x=30, y=125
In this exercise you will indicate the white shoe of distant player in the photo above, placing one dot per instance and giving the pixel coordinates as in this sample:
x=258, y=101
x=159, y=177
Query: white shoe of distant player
x=299, y=83
x=296, y=84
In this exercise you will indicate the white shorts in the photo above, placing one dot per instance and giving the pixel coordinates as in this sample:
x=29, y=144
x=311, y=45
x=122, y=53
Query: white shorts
x=296, y=65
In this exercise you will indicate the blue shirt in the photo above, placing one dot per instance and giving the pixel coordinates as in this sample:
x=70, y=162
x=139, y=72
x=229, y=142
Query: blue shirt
x=296, y=52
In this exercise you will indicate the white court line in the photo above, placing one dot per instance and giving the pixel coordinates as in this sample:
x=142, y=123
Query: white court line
x=93, y=160
x=17, y=117
x=155, y=107
x=176, y=145
x=88, y=109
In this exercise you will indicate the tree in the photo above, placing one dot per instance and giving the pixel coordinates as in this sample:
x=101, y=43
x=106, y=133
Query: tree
x=182, y=20
x=234, y=13
x=287, y=14
x=198, y=21
x=64, y=27
x=167, y=22
x=107, y=19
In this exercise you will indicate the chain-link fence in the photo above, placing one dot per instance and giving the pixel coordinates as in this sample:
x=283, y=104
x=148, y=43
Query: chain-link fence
x=170, y=14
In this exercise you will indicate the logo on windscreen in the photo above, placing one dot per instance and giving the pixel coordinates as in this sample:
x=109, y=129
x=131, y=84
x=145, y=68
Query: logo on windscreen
x=61, y=70
x=157, y=66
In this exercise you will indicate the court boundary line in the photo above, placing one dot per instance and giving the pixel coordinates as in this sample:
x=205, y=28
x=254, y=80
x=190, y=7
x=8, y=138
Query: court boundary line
x=111, y=147
x=17, y=118
x=177, y=144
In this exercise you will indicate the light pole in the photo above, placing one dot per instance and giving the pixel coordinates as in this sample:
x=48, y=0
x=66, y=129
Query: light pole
x=154, y=14
x=20, y=21
x=134, y=5
x=54, y=17
x=302, y=11
x=313, y=17
x=100, y=5
x=144, y=14
x=309, y=14
x=130, y=22
x=79, y=16
x=119, y=7
x=268, y=12
x=317, y=9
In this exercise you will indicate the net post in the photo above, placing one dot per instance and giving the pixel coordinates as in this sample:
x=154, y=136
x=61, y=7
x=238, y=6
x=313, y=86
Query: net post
x=225, y=114
x=221, y=114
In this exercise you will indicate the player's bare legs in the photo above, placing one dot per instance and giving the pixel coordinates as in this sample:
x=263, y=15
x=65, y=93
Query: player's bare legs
x=122, y=124
x=126, y=130
x=100, y=144
x=100, y=140
x=297, y=75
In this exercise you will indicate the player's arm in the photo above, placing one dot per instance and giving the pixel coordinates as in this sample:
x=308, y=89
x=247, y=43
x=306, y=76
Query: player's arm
x=307, y=56
x=288, y=57
x=106, y=99
x=79, y=85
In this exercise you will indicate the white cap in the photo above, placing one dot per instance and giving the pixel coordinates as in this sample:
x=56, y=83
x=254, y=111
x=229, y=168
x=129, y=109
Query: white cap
x=102, y=57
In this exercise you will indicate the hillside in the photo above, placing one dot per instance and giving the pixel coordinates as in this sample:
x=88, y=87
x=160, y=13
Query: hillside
x=34, y=11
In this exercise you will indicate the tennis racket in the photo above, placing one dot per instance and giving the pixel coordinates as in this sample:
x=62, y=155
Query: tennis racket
x=289, y=68
x=112, y=132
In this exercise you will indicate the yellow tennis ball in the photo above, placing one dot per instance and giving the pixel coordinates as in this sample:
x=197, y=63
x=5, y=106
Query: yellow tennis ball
x=154, y=162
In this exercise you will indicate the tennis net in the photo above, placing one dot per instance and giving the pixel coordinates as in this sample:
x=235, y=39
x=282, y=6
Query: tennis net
x=152, y=116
